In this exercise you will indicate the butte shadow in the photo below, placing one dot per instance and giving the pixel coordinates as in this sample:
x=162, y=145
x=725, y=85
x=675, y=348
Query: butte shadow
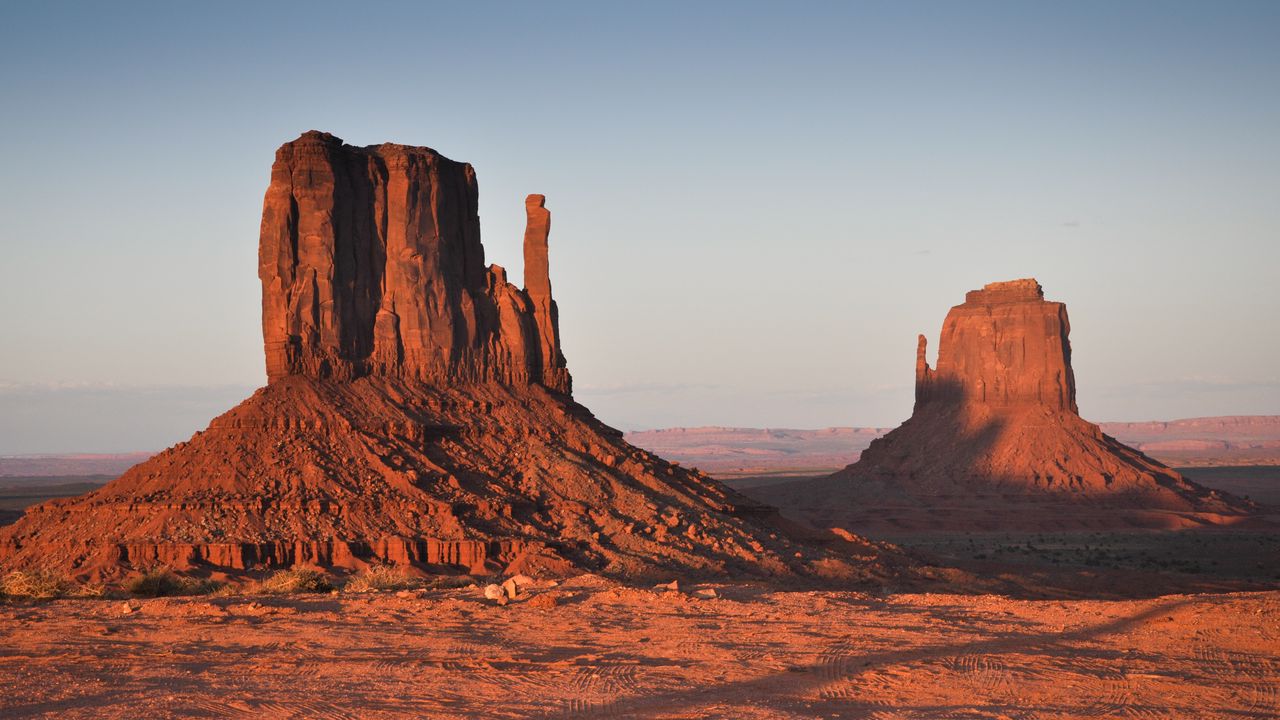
x=418, y=411
x=996, y=442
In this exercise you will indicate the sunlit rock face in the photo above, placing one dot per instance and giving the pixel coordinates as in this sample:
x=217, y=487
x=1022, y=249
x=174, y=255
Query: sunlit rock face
x=1005, y=347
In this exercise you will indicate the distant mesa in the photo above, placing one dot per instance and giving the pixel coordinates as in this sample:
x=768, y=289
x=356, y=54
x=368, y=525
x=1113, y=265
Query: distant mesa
x=418, y=411
x=995, y=427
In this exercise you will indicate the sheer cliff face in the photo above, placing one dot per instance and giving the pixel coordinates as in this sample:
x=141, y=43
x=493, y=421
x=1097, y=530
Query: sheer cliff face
x=371, y=264
x=1005, y=347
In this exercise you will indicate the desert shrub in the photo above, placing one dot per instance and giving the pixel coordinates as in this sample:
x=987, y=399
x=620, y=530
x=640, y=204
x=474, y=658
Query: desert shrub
x=163, y=582
x=295, y=580
x=34, y=584
x=90, y=590
x=382, y=577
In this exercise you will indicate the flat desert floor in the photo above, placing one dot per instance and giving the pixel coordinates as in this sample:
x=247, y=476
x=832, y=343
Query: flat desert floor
x=608, y=650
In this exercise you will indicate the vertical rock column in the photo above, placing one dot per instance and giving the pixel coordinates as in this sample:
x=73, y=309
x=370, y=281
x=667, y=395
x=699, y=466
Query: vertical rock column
x=537, y=285
x=924, y=374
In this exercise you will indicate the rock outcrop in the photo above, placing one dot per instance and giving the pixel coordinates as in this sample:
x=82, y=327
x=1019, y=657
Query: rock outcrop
x=1005, y=347
x=995, y=425
x=417, y=412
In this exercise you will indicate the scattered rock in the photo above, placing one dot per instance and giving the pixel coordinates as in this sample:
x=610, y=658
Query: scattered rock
x=509, y=587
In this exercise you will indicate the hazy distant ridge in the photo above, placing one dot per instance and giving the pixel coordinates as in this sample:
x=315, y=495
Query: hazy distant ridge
x=1226, y=440
x=1206, y=441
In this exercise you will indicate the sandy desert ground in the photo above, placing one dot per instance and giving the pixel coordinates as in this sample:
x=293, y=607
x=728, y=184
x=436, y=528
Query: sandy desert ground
x=606, y=650
x=589, y=647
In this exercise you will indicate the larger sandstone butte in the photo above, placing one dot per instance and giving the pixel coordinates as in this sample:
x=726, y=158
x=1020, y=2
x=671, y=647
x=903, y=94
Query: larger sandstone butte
x=417, y=412
x=996, y=442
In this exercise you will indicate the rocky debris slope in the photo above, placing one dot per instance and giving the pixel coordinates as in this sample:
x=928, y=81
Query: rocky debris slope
x=417, y=412
x=994, y=424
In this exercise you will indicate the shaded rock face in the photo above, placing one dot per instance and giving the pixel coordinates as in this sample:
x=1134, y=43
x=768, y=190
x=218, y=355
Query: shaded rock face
x=371, y=264
x=995, y=425
x=417, y=412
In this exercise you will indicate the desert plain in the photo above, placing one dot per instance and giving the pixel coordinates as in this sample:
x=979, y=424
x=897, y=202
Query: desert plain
x=1077, y=624
x=588, y=647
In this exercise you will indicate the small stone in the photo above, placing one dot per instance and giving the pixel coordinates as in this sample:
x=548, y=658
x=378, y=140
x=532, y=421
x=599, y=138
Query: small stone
x=509, y=587
x=494, y=592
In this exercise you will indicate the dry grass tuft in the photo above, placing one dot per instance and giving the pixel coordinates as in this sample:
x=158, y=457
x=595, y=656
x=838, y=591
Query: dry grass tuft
x=35, y=585
x=163, y=582
x=295, y=580
x=383, y=577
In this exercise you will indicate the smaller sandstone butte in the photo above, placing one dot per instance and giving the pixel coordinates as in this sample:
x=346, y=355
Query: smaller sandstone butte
x=995, y=427
x=418, y=411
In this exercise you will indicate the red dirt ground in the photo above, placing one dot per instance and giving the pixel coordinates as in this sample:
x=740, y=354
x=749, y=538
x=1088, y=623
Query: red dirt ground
x=606, y=650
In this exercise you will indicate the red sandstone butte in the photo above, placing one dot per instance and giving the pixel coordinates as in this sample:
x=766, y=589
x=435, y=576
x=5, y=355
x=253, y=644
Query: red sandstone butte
x=417, y=412
x=371, y=263
x=996, y=436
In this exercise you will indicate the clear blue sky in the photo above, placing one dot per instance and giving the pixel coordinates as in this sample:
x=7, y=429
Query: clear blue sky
x=756, y=206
